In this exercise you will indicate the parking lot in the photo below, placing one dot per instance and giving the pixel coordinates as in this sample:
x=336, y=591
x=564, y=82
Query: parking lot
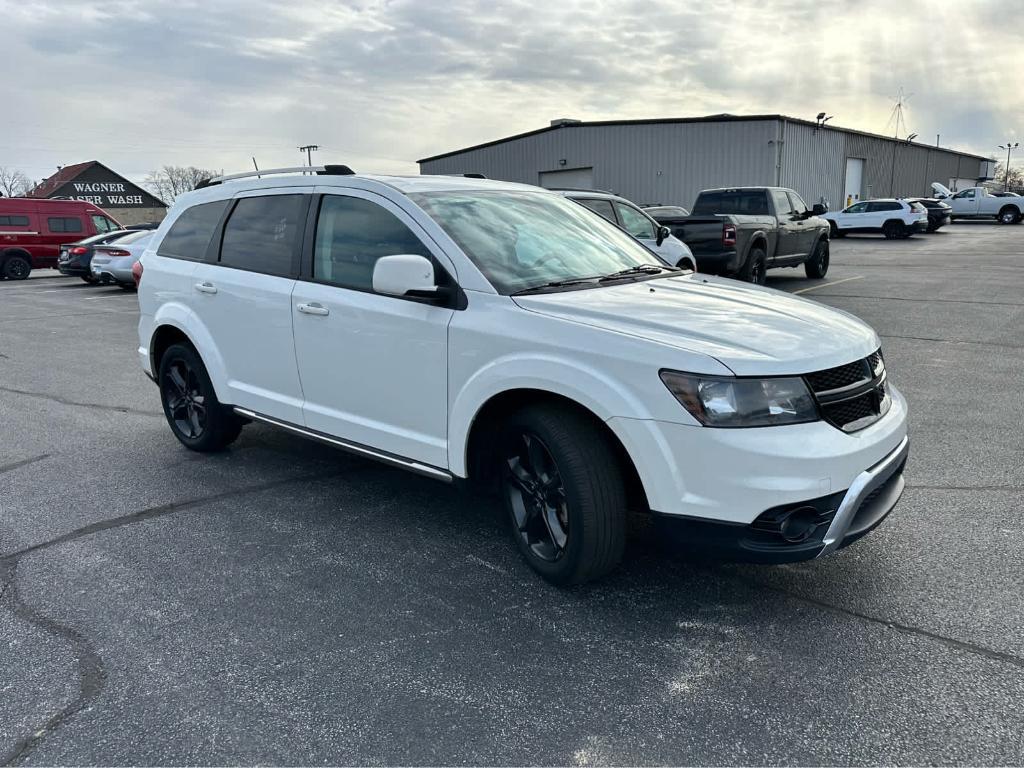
x=284, y=603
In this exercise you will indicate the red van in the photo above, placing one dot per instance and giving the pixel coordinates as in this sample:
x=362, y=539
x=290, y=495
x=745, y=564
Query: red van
x=33, y=230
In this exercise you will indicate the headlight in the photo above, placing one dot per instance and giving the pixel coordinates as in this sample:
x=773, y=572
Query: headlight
x=721, y=401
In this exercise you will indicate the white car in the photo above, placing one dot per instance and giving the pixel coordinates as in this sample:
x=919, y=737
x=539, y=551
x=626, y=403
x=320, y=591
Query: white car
x=113, y=263
x=981, y=203
x=893, y=218
x=623, y=213
x=478, y=330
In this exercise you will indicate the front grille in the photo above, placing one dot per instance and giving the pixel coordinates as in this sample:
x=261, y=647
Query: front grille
x=837, y=378
x=851, y=396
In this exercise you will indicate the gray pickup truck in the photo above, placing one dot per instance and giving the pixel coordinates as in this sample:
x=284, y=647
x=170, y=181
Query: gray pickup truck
x=744, y=231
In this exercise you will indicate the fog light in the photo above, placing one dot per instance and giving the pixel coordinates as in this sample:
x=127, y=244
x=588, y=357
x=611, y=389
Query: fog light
x=799, y=525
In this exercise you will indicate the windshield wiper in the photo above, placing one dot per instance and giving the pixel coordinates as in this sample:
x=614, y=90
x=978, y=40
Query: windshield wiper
x=557, y=284
x=640, y=269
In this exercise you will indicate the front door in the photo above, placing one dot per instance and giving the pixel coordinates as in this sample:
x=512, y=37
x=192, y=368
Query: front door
x=853, y=218
x=244, y=299
x=806, y=232
x=788, y=243
x=374, y=368
x=965, y=203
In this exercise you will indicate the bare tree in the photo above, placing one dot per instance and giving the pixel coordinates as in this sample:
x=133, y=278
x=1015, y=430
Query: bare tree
x=173, y=180
x=13, y=183
x=1016, y=178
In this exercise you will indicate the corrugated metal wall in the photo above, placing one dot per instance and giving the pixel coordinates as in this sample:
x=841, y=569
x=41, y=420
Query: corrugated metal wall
x=670, y=163
x=814, y=163
x=665, y=163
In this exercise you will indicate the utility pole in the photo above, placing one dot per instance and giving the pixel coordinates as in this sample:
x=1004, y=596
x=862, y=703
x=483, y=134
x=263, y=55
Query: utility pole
x=309, y=149
x=1009, y=148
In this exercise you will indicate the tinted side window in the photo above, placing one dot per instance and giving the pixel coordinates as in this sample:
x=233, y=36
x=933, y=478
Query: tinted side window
x=263, y=234
x=190, y=235
x=351, y=234
x=64, y=224
x=884, y=207
x=857, y=208
x=635, y=222
x=782, y=204
x=603, y=207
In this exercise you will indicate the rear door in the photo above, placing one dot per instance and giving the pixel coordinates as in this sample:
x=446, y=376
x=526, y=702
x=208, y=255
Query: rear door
x=788, y=243
x=599, y=206
x=244, y=300
x=374, y=368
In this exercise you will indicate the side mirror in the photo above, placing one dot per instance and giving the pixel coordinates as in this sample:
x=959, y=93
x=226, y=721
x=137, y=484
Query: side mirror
x=818, y=209
x=663, y=234
x=406, y=275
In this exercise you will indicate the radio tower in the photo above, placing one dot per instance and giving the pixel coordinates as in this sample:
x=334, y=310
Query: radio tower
x=896, y=118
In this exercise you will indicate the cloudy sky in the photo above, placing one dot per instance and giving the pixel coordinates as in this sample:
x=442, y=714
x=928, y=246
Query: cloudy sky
x=380, y=83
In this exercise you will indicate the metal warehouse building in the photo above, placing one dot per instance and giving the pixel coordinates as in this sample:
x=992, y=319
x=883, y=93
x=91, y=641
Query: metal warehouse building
x=668, y=161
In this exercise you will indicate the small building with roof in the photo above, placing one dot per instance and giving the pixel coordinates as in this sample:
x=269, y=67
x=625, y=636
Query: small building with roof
x=96, y=183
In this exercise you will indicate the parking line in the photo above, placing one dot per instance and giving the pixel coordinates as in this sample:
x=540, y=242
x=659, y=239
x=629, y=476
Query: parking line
x=122, y=295
x=826, y=285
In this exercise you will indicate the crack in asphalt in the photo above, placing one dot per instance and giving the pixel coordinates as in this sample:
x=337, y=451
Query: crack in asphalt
x=952, y=341
x=96, y=406
x=960, y=645
x=923, y=301
x=23, y=463
x=92, y=675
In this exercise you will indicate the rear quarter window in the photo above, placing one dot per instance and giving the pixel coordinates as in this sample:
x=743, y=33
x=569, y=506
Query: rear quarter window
x=190, y=235
x=70, y=224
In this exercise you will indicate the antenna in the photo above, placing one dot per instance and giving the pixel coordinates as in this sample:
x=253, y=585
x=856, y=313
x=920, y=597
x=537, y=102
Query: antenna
x=896, y=118
x=309, y=149
x=256, y=167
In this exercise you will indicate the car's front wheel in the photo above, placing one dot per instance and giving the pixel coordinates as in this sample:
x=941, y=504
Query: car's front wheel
x=564, y=492
x=194, y=413
x=817, y=265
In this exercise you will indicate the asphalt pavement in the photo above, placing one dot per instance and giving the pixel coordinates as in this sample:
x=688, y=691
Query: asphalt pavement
x=284, y=603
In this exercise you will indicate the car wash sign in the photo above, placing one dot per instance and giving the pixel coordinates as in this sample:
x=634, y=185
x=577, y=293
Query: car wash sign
x=100, y=186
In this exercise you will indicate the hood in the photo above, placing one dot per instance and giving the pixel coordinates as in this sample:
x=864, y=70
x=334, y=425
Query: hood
x=751, y=330
x=941, y=190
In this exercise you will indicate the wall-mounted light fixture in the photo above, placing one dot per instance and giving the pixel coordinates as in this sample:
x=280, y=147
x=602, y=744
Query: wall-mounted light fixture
x=562, y=161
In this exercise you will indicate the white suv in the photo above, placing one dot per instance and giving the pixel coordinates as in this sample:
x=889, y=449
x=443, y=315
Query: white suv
x=895, y=219
x=472, y=329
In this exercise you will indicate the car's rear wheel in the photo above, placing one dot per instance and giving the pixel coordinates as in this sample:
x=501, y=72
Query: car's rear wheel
x=756, y=269
x=564, y=492
x=16, y=268
x=195, y=416
x=1009, y=215
x=817, y=265
x=89, y=279
x=894, y=230
x=834, y=231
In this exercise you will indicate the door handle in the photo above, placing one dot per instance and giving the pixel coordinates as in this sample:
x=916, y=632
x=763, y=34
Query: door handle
x=206, y=287
x=313, y=308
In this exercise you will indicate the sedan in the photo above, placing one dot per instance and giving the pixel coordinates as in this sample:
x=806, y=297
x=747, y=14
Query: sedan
x=113, y=263
x=74, y=258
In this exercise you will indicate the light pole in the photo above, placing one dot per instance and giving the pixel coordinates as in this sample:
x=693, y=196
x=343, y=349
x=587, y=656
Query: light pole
x=1009, y=148
x=309, y=149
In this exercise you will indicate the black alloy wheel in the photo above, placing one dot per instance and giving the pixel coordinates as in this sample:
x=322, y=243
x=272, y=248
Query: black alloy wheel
x=185, y=402
x=817, y=265
x=16, y=268
x=537, y=498
x=195, y=415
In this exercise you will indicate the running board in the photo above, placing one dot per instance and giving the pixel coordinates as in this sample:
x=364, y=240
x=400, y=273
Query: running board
x=356, y=448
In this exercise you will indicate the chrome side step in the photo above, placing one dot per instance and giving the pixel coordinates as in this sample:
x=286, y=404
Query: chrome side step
x=356, y=448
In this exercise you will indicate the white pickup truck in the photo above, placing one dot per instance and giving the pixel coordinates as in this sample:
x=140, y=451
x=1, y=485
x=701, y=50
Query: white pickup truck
x=980, y=203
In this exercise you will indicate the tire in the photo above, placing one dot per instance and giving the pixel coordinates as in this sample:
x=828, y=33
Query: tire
x=894, y=230
x=1009, y=215
x=756, y=269
x=195, y=416
x=817, y=265
x=564, y=493
x=90, y=279
x=16, y=268
x=834, y=231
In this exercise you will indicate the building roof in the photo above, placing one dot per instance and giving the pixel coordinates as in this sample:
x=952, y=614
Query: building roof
x=47, y=187
x=723, y=118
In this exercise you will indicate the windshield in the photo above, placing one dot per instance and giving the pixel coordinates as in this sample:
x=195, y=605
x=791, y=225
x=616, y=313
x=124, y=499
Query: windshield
x=743, y=202
x=523, y=240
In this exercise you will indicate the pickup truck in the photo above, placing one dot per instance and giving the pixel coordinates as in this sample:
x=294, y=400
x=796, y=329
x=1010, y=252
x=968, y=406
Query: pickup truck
x=980, y=203
x=744, y=231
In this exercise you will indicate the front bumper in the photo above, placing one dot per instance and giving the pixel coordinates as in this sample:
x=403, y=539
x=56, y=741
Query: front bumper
x=832, y=522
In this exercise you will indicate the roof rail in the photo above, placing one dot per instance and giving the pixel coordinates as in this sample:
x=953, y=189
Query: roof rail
x=319, y=170
x=580, y=189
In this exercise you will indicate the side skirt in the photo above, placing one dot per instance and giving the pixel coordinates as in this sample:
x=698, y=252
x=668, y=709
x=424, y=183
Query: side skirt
x=356, y=448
